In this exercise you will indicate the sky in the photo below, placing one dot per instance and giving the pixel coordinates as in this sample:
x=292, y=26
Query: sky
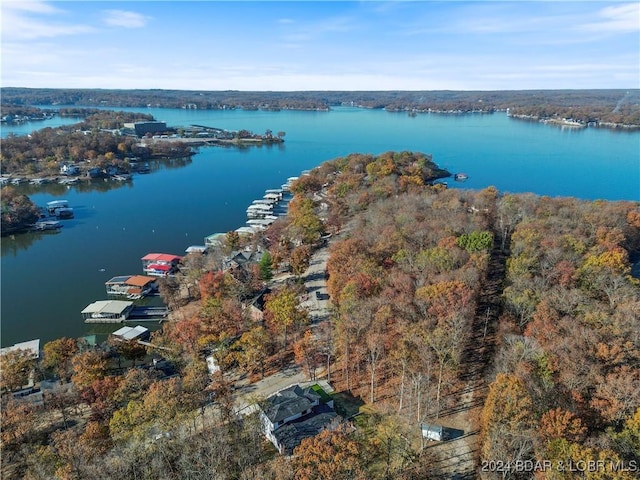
x=327, y=45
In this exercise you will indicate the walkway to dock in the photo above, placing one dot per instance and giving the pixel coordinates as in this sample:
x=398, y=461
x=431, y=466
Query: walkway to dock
x=150, y=313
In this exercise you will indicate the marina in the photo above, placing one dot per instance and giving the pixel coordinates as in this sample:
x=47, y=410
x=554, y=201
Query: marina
x=264, y=211
x=155, y=265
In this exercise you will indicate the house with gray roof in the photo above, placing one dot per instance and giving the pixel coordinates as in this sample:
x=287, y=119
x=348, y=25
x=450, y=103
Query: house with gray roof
x=294, y=413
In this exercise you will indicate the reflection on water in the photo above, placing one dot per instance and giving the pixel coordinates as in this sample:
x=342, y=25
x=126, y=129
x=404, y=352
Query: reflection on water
x=22, y=241
x=12, y=244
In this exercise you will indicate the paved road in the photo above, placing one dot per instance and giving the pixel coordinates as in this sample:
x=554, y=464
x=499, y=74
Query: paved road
x=318, y=306
x=315, y=281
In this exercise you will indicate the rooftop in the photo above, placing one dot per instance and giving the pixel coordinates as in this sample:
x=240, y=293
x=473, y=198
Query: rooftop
x=130, y=333
x=32, y=346
x=161, y=257
x=140, y=280
x=290, y=435
x=118, y=279
x=289, y=402
x=111, y=307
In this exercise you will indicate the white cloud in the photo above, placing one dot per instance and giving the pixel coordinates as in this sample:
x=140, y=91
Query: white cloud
x=623, y=18
x=316, y=30
x=124, y=18
x=32, y=20
x=29, y=6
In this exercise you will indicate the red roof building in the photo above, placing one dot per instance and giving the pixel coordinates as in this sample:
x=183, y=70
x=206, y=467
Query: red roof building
x=160, y=264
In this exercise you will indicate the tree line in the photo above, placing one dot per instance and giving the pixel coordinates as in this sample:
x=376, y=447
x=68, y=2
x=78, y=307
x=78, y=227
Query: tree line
x=615, y=107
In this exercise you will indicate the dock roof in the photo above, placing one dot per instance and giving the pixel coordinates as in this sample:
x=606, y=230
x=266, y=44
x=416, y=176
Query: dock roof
x=58, y=203
x=111, y=307
x=32, y=346
x=118, y=279
x=130, y=333
x=140, y=280
x=161, y=257
x=196, y=249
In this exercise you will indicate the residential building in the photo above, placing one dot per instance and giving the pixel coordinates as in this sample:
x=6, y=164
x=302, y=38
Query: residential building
x=294, y=413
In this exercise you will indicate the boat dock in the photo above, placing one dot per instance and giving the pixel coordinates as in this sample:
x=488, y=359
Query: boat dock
x=266, y=210
x=118, y=311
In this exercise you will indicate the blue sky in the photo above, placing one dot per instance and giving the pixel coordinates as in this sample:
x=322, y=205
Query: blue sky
x=329, y=45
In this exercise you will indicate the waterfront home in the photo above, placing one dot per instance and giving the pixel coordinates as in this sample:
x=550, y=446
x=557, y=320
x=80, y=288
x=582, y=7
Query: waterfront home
x=160, y=264
x=295, y=413
x=94, y=172
x=240, y=258
x=69, y=169
x=133, y=286
x=107, y=311
x=255, y=306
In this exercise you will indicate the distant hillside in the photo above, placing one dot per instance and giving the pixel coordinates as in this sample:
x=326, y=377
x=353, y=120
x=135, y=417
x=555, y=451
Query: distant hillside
x=607, y=107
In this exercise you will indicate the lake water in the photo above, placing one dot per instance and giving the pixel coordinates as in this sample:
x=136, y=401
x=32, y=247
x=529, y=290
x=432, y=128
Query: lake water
x=47, y=279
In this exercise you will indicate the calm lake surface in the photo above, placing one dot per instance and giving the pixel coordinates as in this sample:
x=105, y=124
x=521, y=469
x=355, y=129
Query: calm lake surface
x=47, y=279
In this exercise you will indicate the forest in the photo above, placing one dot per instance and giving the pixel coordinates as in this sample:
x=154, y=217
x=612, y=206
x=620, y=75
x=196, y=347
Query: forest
x=606, y=108
x=18, y=211
x=513, y=319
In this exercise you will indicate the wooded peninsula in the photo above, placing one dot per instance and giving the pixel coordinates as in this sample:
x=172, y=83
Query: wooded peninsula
x=467, y=334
